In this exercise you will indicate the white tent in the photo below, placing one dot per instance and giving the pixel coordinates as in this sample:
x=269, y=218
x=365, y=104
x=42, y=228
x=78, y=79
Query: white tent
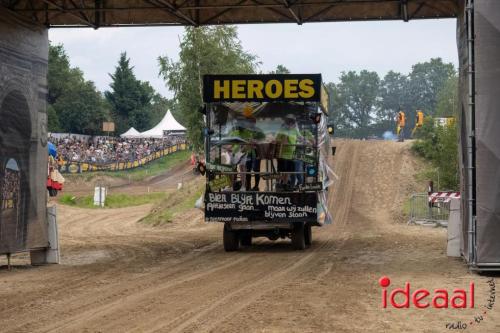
x=167, y=125
x=131, y=133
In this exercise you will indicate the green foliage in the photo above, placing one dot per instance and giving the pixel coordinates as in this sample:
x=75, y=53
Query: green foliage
x=426, y=80
x=447, y=98
x=393, y=95
x=52, y=120
x=174, y=204
x=81, y=109
x=158, y=167
x=118, y=200
x=204, y=50
x=363, y=105
x=439, y=145
x=280, y=69
x=354, y=99
x=130, y=99
x=67, y=199
x=74, y=104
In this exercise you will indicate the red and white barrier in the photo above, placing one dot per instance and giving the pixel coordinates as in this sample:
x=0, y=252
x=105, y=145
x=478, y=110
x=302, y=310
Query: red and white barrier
x=443, y=196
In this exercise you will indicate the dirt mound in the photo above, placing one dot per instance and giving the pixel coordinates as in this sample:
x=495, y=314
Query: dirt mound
x=119, y=275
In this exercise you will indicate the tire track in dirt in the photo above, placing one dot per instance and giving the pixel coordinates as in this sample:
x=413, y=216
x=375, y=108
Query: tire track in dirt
x=177, y=278
x=114, y=305
x=205, y=319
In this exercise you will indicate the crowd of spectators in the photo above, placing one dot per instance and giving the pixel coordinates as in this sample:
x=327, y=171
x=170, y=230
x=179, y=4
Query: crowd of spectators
x=102, y=150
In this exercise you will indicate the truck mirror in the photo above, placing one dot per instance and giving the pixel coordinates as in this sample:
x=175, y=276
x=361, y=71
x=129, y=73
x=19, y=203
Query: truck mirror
x=334, y=149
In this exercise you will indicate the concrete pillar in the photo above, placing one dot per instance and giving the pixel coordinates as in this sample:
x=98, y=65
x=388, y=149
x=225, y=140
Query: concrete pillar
x=49, y=255
x=23, y=130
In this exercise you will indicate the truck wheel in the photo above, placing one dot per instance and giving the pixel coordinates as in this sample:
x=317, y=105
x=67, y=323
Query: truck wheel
x=230, y=239
x=298, y=236
x=308, y=234
x=246, y=238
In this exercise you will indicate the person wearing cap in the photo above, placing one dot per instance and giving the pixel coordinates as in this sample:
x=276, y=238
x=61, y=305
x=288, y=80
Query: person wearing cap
x=287, y=136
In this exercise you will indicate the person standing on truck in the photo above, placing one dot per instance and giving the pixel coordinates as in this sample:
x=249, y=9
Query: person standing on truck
x=239, y=151
x=287, y=138
x=252, y=162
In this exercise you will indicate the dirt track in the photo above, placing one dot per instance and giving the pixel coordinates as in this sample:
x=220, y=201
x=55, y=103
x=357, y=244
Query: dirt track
x=166, y=181
x=120, y=276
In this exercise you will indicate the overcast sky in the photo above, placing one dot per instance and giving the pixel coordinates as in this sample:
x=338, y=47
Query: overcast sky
x=327, y=48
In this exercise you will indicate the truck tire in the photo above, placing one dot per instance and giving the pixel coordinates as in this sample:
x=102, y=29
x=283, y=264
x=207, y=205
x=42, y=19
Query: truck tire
x=308, y=234
x=230, y=239
x=246, y=238
x=298, y=236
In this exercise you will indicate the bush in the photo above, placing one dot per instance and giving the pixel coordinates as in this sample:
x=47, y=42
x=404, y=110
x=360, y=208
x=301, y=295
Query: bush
x=439, y=145
x=67, y=199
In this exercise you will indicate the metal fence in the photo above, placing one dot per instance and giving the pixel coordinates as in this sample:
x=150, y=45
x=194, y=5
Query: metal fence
x=428, y=213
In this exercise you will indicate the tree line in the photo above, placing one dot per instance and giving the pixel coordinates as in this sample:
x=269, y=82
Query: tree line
x=362, y=103
x=76, y=106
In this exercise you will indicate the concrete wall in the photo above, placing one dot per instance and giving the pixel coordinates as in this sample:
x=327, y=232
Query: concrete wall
x=487, y=134
x=23, y=133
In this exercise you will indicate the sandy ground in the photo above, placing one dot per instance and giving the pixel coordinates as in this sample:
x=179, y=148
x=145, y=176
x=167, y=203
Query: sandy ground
x=120, y=276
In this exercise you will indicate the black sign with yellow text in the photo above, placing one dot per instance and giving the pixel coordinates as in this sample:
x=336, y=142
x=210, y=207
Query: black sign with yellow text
x=262, y=88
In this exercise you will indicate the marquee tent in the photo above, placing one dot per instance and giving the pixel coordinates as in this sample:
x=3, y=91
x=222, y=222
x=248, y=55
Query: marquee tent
x=131, y=133
x=167, y=125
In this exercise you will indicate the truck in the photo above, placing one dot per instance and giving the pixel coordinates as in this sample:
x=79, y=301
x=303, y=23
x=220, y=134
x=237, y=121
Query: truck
x=267, y=149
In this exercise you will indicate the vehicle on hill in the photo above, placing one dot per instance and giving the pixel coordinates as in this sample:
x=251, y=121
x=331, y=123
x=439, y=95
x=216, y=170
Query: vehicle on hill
x=267, y=146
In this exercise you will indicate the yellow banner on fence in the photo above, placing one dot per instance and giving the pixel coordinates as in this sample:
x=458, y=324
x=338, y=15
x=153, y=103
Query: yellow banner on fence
x=79, y=167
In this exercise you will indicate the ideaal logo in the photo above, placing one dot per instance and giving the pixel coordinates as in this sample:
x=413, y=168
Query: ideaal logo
x=423, y=298
x=439, y=299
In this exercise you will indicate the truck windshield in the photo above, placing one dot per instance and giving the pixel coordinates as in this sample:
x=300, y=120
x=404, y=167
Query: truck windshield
x=262, y=130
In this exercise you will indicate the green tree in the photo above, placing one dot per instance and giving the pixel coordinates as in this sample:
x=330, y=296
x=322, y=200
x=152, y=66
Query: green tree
x=425, y=81
x=60, y=74
x=439, y=145
x=357, y=97
x=74, y=104
x=204, y=50
x=81, y=109
x=337, y=112
x=393, y=96
x=52, y=120
x=130, y=99
x=447, y=98
x=280, y=69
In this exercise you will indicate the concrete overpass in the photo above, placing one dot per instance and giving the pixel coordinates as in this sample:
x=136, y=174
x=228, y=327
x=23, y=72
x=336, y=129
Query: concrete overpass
x=23, y=88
